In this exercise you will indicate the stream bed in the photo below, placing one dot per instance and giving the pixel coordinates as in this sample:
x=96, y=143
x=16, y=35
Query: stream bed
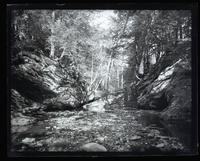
x=118, y=130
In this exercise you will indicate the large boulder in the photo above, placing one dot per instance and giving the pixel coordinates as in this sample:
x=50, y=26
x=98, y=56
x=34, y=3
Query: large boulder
x=58, y=104
x=30, y=86
x=18, y=102
x=93, y=147
x=153, y=96
x=43, y=80
x=96, y=106
x=170, y=92
x=178, y=94
x=28, y=78
x=22, y=105
x=151, y=88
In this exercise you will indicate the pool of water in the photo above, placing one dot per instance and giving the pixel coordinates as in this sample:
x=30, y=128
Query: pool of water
x=179, y=129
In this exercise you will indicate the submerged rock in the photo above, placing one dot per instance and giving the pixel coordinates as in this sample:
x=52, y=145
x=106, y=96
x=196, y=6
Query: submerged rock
x=28, y=140
x=93, y=147
x=22, y=120
x=135, y=137
x=161, y=145
x=101, y=139
x=97, y=106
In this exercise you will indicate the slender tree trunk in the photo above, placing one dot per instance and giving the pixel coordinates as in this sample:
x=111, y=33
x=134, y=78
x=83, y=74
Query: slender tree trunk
x=111, y=55
x=63, y=53
x=98, y=84
x=122, y=78
x=118, y=78
x=176, y=38
x=125, y=96
x=181, y=32
x=141, y=67
x=159, y=50
x=52, y=33
x=188, y=28
x=108, y=72
x=91, y=71
x=122, y=81
x=96, y=74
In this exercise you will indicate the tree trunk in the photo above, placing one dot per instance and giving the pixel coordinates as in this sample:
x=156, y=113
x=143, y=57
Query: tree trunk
x=141, y=67
x=91, y=71
x=176, y=38
x=52, y=34
x=125, y=96
x=122, y=79
x=108, y=72
x=118, y=78
x=181, y=32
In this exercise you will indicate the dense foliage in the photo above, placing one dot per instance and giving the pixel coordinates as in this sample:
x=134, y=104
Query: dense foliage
x=137, y=46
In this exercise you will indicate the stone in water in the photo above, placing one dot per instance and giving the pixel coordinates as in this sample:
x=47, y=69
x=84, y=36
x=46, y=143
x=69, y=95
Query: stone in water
x=160, y=145
x=28, y=140
x=135, y=137
x=93, y=147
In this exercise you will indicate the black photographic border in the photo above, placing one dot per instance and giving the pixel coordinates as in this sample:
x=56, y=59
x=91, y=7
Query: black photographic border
x=105, y=6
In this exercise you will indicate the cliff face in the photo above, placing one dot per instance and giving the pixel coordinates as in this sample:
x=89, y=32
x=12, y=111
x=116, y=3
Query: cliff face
x=172, y=95
x=35, y=79
x=170, y=91
x=30, y=79
x=178, y=94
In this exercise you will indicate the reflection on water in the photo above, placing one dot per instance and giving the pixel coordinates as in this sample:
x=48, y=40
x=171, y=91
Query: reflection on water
x=181, y=130
x=178, y=129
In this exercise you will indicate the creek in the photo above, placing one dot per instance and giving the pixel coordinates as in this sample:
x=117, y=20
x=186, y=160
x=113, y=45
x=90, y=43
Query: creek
x=115, y=127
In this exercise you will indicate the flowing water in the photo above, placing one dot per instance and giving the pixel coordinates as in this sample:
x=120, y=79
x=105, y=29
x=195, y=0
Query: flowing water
x=118, y=129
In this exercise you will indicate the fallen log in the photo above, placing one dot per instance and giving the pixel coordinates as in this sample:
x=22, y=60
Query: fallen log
x=60, y=106
x=80, y=106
